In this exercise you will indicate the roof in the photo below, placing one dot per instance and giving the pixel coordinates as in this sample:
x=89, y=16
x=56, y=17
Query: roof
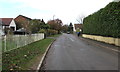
x=24, y=17
x=78, y=26
x=6, y=21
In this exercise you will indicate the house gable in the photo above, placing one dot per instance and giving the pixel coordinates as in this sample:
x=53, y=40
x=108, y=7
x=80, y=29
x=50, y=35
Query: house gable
x=12, y=24
x=7, y=23
x=22, y=21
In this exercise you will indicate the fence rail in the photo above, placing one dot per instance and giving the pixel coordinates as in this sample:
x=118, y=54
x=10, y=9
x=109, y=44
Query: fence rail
x=11, y=42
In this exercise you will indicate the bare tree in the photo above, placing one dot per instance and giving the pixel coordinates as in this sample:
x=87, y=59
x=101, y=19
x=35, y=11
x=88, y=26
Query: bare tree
x=80, y=19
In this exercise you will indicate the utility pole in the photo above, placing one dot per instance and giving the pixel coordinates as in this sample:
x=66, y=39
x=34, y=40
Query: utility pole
x=53, y=17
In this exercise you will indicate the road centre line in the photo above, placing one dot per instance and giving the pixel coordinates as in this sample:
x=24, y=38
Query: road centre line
x=71, y=39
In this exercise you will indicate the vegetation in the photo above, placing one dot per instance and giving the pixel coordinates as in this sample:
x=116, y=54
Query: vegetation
x=65, y=28
x=32, y=26
x=17, y=59
x=57, y=35
x=37, y=25
x=70, y=28
x=56, y=25
x=52, y=27
x=105, y=22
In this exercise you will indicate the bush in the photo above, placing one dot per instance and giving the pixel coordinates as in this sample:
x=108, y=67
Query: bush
x=105, y=22
x=52, y=32
x=42, y=31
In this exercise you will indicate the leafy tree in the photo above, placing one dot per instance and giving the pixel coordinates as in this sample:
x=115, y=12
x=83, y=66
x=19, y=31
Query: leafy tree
x=35, y=25
x=65, y=28
x=70, y=28
x=55, y=24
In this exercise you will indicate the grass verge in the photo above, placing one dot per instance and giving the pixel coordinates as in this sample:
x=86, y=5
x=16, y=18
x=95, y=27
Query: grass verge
x=19, y=59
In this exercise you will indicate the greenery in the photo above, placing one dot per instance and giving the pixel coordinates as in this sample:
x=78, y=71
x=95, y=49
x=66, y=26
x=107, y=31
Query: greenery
x=52, y=27
x=65, y=28
x=70, y=28
x=55, y=25
x=57, y=35
x=105, y=22
x=37, y=25
x=42, y=31
x=17, y=59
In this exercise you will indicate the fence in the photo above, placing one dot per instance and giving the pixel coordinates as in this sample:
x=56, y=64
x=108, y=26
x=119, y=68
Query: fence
x=11, y=42
x=0, y=53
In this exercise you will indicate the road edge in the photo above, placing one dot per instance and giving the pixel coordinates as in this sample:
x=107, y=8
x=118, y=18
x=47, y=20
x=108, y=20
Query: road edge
x=115, y=50
x=44, y=55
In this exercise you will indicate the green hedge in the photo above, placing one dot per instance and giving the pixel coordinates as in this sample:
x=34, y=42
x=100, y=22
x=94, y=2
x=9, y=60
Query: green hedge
x=105, y=22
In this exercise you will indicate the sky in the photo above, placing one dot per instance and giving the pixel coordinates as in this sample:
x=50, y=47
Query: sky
x=66, y=10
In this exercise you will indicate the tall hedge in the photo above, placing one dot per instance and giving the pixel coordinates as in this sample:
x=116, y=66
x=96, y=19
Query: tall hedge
x=105, y=22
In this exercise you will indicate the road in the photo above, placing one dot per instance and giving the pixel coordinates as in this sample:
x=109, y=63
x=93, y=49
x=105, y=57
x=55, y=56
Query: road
x=69, y=52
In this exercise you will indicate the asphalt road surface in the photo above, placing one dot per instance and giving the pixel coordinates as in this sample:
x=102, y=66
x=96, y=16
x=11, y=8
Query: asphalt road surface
x=69, y=52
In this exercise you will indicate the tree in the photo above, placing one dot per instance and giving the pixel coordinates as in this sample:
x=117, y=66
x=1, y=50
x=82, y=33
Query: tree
x=65, y=28
x=80, y=19
x=56, y=24
x=44, y=25
x=70, y=28
x=35, y=25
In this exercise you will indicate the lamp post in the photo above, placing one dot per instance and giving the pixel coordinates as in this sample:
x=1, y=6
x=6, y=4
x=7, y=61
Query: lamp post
x=53, y=17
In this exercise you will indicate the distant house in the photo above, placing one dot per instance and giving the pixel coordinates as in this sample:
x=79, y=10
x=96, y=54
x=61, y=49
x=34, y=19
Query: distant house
x=22, y=23
x=1, y=30
x=78, y=26
x=7, y=23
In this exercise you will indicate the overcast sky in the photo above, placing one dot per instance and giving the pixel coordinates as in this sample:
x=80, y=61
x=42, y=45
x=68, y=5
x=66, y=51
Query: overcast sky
x=66, y=10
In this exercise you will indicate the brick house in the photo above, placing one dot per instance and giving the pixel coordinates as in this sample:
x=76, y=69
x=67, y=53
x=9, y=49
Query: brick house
x=22, y=22
x=78, y=26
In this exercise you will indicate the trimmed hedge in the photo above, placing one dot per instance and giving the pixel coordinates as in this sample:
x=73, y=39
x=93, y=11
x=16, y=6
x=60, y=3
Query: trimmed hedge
x=105, y=22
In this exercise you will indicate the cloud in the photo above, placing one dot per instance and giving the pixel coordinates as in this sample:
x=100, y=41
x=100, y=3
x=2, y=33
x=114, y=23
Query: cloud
x=67, y=10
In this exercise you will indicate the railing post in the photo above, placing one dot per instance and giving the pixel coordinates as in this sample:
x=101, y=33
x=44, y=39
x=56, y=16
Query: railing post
x=5, y=43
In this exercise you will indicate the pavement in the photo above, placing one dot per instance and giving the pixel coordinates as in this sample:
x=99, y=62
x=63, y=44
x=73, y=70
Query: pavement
x=69, y=52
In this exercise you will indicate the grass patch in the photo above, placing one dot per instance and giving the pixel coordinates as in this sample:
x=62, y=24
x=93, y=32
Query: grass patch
x=17, y=59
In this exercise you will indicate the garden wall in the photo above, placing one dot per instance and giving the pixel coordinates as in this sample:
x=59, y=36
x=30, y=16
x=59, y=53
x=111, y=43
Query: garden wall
x=110, y=40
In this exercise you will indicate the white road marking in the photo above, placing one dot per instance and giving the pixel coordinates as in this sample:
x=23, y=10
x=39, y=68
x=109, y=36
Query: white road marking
x=71, y=39
x=56, y=45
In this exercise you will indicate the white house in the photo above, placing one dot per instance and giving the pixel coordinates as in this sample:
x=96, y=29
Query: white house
x=1, y=30
x=7, y=23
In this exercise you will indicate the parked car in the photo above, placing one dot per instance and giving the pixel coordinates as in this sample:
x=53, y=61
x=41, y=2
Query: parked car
x=68, y=32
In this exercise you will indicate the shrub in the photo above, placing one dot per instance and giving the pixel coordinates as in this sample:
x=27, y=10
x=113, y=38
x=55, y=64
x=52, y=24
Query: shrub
x=52, y=32
x=105, y=22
